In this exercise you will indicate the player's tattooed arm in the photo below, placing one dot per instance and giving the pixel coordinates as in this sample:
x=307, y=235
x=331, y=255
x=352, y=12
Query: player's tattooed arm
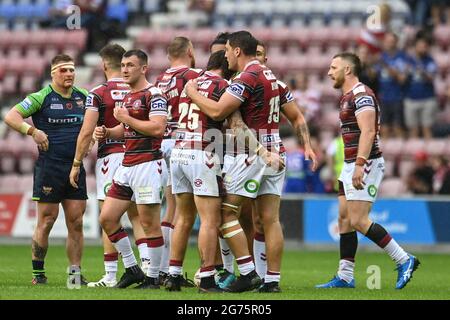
x=246, y=138
x=38, y=251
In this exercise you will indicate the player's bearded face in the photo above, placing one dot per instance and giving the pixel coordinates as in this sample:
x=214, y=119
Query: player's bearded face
x=336, y=73
x=132, y=70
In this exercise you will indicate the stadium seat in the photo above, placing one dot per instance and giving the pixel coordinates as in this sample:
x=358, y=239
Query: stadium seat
x=392, y=148
x=392, y=187
x=25, y=183
x=436, y=147
x=405, y=168
x=412, y=146
x=9, y=183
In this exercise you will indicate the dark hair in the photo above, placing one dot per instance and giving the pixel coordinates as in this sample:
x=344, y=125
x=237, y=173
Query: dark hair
x=217, y=61
x=353, y=59
x=262, y=44
x=112, y=54
x=245, y=41
x=142, y=56
x=221, y=38
x=61, y=58
x=178, y=47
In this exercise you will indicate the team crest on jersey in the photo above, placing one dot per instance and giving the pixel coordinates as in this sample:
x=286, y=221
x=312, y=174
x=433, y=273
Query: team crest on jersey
x=237, y=88
x=69, y=106
x=269, y=75
x=364, y=101
x=137, y=104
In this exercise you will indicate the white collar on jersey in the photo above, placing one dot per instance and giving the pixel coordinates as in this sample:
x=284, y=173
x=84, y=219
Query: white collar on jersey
x=356, y=85
x=116, y=79
x=176, y=68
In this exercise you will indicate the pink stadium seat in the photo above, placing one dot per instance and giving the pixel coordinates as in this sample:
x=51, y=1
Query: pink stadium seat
x=38, y=39
x=389, y=168
x=25, y=183
x=440, y=34
x=57, y=38
x=392, y=148
x=28, y=83
x=6, y=39
x=330, y=119
x=9, y=183
x=412, y=146
x=76, y=38
x=436, y=147
x=392, y=187
x=10, y=83
x=20, y=38
x=406, y=167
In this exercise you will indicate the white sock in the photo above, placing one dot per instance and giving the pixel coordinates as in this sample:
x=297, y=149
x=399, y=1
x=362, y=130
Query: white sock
x=227, y=255
x=123, y=246
x=272, y=276
x=345, y=271
x=259, y=253
x=143, y=251
x=245, y=265
x=396, y=252
x=111, y=262
x=176, y=267
x=155, y=247
x=165, y=256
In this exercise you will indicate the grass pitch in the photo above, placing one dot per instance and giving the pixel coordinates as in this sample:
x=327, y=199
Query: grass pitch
x=301, y=270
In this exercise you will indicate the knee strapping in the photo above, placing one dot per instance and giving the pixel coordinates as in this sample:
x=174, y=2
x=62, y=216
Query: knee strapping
x=231, y=207
x=229, y=225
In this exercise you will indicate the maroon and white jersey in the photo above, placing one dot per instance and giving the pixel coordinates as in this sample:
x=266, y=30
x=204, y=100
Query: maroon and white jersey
x=103, y=99
x=193, y=123
x=143, y=105
x=285, y=94
x=361, y=98
x=258, y=90
x=172, y=83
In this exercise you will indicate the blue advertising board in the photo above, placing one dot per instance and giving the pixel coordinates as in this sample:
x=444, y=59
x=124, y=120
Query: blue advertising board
x=409, y=222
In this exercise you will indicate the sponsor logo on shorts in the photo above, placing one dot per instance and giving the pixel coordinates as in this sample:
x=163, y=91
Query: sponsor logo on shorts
x=107, y=187
x=372, y=190
x=251, y=186
x=198, y=182
x=47, y=190
x=145, y=193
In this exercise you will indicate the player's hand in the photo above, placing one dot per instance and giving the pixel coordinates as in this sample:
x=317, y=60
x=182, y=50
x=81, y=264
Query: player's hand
x=41, y=139
x=191, y=87
x=358, y=176
x=310, y=155
x=73, y=176
x=274, y=160
x=121, y=114
x=100, y=133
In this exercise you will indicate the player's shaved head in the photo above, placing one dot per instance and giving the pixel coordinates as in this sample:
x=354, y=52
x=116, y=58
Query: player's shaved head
x=112, y=55
x=179, y=47
x=353, y=60
x=141, y=55
x=245, y=41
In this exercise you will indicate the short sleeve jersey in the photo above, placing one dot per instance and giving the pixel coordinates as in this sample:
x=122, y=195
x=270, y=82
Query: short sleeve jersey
x=360, y=99
x=143, y=105
x=103, y=99
x=59, y=117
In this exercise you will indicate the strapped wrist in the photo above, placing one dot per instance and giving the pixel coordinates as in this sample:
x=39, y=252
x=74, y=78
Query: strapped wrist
x=360, y=161
x=24, y=127
x=76, y=163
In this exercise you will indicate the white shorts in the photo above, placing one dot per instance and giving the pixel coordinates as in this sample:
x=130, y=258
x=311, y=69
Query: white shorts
x=373, y=174
x=197, y=172
x=104, y=172
x=142, y=183
x=228, y=161
x=251, y=177
x=166, y=148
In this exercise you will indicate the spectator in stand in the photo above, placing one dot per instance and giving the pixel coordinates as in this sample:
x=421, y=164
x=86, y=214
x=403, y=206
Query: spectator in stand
x=93, y=19
x=307, y=98
x=335, y=160
x=420, y=180
x=440, y=12
x=420, y=103
x=419, y=12
x=441, y=178
x=368, y=75
x=391, y=76
x=299, y=176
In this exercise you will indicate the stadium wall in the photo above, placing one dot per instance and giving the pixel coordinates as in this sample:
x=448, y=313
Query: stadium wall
x=310, y=220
